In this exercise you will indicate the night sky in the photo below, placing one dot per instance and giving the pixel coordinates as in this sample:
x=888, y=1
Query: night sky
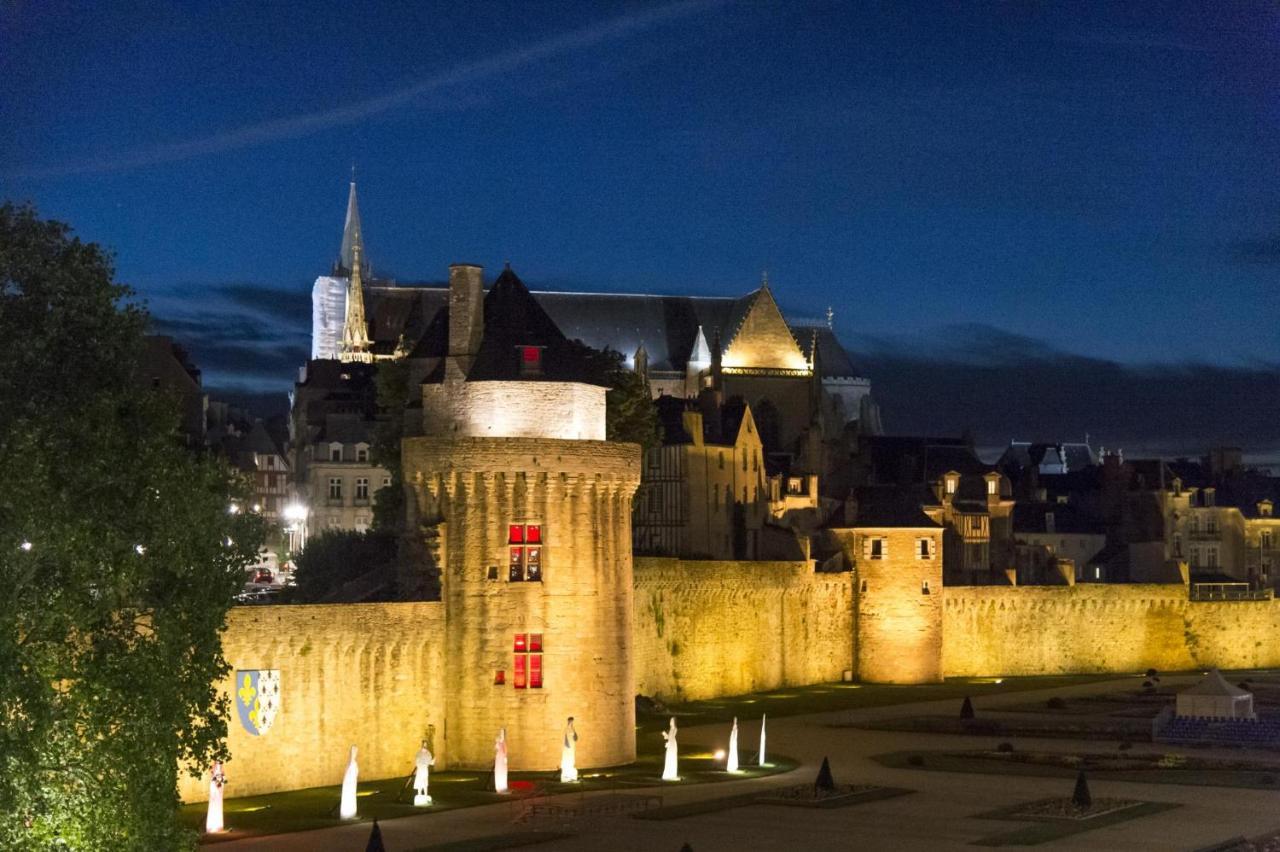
x=1032, y=220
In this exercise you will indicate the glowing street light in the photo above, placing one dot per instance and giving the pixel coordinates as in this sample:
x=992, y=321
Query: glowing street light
x=26, y=546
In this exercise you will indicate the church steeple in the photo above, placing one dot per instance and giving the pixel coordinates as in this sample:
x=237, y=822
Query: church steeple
x=352, y=235
x=355, y=330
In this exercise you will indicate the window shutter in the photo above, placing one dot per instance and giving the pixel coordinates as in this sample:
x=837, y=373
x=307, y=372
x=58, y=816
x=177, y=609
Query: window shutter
x=866, y=547
x=884, y=548
x=933, y=548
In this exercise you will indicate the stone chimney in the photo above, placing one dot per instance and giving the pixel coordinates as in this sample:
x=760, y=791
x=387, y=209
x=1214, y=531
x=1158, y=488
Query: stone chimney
x=466, y=314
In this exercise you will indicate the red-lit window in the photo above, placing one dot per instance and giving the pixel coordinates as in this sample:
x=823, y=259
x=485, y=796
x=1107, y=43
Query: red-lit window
x=525, y=553
x=530, y=360
x=499, y=677
x=527, y=661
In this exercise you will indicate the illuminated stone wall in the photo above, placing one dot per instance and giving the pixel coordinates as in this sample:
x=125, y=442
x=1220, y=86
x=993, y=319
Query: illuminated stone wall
x=580, y=493
x=1102, y=628
x=350, y=674
x=562, y=410
x=899, y=604
x=705, y=629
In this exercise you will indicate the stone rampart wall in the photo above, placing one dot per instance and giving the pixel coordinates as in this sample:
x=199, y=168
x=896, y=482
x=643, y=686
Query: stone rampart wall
x=705, y=629
x=1030, y=630
x=350, y=674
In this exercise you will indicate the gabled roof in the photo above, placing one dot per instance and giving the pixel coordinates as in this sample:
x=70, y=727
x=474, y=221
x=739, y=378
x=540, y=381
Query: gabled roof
x=889, y=506
x=513, y=320
x=759, y=337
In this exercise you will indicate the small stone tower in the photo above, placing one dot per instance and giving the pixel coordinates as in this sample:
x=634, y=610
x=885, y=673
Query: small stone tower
x=897, y=555
x=533, y=513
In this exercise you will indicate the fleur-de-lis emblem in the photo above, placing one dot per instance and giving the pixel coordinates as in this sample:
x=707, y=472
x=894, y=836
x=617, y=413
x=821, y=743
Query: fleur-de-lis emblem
x=257, y=699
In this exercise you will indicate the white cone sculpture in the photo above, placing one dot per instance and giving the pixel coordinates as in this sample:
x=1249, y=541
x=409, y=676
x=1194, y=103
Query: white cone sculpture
x=422, y=775
x=670, y=769
x=213, y=818
x=760, y=757
x=347, y=805
x=569, y=754
x=731, y=762
x=500, y=761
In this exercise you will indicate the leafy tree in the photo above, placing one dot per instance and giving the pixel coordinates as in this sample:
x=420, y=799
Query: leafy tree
x=393, y=394
x=630, y=416
x=336, y=557
x=118, y=560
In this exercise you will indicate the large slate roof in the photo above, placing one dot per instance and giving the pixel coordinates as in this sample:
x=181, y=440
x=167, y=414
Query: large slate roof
x=666, y=326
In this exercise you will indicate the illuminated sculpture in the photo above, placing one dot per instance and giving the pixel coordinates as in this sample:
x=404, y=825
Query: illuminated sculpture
x=669, y=768
x=500, y=762
x=421, y=771
x=760, y=757
x=347, y=805
x=568, y=754
x=731, y=763
x=213, y=819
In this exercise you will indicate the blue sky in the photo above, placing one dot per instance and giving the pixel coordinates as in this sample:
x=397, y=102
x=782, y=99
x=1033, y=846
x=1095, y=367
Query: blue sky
x=1092, y=179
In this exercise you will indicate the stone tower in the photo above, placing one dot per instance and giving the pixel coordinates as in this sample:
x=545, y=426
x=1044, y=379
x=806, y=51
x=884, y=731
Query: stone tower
x=531, y=513
x=897, y=555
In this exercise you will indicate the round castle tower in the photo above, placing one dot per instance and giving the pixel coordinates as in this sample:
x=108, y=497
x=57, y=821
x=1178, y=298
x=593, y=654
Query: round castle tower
x=532, y=510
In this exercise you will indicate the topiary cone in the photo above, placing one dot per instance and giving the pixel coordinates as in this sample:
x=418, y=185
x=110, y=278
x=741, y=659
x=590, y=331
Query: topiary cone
x=375, y=840
x=824, y=783
x=1081, y=798
x=966, y=709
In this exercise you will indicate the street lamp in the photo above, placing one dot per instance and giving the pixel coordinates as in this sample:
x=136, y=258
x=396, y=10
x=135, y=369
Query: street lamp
x=296, y=514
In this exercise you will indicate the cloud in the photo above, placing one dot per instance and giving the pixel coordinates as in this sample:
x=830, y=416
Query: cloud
x=293, y=126
x=1262, y=250
x=290, y=305
x=1003, y=386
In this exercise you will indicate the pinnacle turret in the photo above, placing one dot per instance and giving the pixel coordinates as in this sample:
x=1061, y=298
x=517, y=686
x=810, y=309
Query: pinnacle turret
x=355, y=329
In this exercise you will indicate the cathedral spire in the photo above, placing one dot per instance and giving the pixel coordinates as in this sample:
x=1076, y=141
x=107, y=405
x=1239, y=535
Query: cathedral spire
x=351, y=233
x=355, y=330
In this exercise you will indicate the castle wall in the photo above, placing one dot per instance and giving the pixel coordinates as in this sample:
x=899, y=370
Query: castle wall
x=563, y=410
x=367, y=675
x=705, y=629
x=579, y=494
x=1031, y=630
x=898, y=604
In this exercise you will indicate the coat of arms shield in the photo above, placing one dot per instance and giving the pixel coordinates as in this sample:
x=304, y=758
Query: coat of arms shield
x=257, y=697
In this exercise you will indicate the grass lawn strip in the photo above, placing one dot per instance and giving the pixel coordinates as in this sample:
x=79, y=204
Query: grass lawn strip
x=316, y=807
x=497, y=841
x=801, y=796
x=1059, y=808
x=1046, y=831
x=785, y=796
x=1261, y=778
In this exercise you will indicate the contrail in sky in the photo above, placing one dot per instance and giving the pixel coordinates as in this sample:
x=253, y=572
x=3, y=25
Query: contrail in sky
x=293, y=126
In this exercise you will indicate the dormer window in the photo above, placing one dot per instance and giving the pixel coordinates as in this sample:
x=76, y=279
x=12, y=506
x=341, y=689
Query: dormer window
x=952, y=482
x=530, y=360
x=335, y=452
x=992, y=485
x=362, y=453
x=1264, y=508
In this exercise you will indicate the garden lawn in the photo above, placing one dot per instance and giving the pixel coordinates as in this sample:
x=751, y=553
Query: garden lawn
x=303, y=810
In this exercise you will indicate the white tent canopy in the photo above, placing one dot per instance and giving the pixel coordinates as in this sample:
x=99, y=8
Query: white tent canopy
x=1214, y=698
